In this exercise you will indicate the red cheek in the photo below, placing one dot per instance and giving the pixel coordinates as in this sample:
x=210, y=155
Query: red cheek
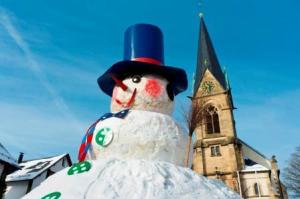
x=153, y=88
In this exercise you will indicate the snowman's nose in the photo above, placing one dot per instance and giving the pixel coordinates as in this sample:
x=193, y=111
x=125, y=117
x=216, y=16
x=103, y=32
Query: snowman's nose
x=119, y=83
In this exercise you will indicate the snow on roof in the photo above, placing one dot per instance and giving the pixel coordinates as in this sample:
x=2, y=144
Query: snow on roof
x=255, y=167
x=251, y=165
x=6, y=157
x=32, y=168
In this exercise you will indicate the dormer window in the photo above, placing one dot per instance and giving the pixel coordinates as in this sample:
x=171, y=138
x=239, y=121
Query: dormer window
x=211, y=118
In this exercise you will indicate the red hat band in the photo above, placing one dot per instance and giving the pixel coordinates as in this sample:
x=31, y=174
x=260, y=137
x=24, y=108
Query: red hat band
x=147, y=60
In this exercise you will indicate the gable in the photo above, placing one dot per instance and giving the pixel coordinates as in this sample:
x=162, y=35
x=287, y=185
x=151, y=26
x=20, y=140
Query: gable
x=208, y=85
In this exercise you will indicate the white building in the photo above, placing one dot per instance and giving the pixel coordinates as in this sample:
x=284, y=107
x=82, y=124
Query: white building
x=260, y=176
x=32, y=173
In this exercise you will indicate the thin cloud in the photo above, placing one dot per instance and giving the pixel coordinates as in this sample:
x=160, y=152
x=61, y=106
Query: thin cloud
x=36, y=130
x=33, y=65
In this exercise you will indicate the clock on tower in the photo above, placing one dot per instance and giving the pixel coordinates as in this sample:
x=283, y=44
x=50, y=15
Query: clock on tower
x=208, y=86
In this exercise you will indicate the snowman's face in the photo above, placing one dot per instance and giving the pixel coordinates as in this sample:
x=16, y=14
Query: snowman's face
x=147, y=92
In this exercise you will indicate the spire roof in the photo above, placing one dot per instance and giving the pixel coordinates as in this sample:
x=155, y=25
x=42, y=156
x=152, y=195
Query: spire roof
x=207, y=59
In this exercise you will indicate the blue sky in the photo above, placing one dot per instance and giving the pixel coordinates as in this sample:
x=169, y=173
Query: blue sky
x=51, y=53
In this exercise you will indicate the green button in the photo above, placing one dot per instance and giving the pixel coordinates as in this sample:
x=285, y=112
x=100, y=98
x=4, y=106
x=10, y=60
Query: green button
x=80, y=167
x=53, y=195
x=104, y=137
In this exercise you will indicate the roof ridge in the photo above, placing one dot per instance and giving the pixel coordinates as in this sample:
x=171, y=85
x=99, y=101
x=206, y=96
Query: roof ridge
x=43, y=158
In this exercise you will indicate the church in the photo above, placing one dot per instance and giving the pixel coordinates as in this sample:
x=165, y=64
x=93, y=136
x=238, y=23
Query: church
x=218, y=152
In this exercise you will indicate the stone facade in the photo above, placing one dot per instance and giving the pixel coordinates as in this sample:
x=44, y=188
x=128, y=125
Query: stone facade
x=219, y=153
x=224, y=165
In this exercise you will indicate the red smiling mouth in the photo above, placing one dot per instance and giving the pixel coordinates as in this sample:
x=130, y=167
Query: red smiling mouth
x=130, y=101
x=124, y=87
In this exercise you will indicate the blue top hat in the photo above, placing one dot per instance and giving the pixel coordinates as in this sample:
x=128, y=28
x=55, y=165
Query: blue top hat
x=143, y=54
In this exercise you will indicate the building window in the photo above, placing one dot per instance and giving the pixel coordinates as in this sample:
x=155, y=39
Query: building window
x=215, y=151
x=212, y=120
x=256, y=189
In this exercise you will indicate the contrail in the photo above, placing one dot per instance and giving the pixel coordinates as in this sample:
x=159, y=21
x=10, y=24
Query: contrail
x=34, y=66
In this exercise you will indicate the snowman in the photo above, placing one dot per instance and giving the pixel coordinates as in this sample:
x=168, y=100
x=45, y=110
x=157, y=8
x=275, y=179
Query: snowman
x=137, y=150
x=142, y=94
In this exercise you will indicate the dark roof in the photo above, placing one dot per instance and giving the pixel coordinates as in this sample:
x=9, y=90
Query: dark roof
x=207, y=59
x=249, y=153
x=6, y=157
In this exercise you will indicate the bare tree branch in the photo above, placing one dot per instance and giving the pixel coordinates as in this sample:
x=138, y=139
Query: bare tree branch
x=193, y=118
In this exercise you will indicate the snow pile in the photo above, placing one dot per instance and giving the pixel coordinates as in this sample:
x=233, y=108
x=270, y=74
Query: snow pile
x=132, y=179
x=142, y=135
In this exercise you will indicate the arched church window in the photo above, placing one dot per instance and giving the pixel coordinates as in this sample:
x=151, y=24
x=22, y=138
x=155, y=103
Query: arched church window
x=212, y=120
x=256, y=189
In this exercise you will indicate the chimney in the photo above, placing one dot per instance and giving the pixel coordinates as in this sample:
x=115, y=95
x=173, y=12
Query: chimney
x=20, y=159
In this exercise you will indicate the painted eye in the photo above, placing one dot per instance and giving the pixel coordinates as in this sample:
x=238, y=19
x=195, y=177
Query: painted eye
x=136, y=79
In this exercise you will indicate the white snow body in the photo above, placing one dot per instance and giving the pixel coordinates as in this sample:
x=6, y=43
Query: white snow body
x=142, y=135
x=132, y=179
x=141, y=161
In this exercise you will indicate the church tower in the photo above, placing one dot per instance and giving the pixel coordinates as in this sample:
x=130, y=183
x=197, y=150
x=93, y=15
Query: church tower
x=216, y=151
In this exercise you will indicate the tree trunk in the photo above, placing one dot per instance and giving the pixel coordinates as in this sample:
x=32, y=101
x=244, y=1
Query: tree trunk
x=188, y=150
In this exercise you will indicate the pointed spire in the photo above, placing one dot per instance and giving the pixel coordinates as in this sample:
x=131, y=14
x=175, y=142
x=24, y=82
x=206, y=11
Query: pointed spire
x=207, y=58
